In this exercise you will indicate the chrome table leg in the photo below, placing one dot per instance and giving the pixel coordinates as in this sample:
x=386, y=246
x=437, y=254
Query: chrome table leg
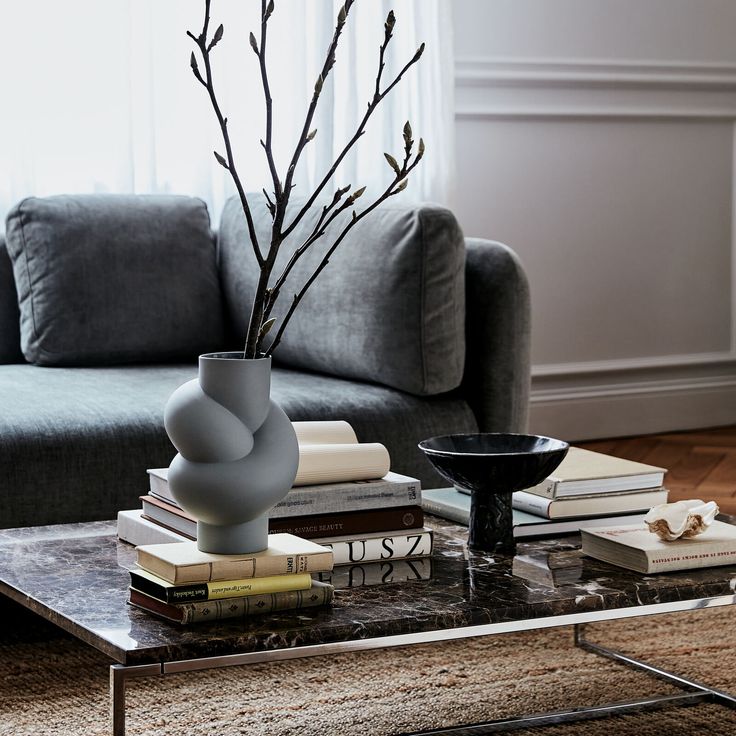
x=119, y=673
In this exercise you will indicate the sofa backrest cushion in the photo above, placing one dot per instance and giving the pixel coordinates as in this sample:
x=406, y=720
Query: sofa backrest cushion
x=110, y=279
x=388, y=308
x=9, y=314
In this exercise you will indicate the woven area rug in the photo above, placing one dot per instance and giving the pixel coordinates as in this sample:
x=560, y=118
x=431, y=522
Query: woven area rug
x=50, y=684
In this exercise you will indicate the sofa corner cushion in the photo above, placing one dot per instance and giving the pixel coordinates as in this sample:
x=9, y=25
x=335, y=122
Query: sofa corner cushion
x=389, y=307
x=9, y=314
x=112, y=279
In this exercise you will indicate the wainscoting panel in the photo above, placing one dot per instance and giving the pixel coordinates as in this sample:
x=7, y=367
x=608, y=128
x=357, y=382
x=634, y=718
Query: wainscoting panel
x=614, y=181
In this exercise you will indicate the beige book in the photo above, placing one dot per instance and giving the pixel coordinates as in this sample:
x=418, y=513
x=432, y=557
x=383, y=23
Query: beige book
x=325, y=433
x=319, y=464
x=636, y=548
x=584, y=473
x=182, y=562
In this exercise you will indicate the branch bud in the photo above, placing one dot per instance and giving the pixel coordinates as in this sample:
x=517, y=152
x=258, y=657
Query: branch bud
x=401, y=186
x=311, y=135
x=420, y=150
x=418, y=54
x=269, y=10
x=392, y=163
x=266, y=327
x=221, y=160
x=342, y=15
x=390, y=22
x=318, y=85
x=216, y=38
x=194, y=65
x=357, y=193
x=253, y=43
x=407, y=132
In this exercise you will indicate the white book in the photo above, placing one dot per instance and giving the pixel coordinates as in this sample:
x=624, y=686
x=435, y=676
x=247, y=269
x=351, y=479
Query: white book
x=584, y=473
x=392, y=545
x=449, y=504
x=636, y=548
x=327, y=498
x=392, y=490
x=609, y=503
x=135, y=530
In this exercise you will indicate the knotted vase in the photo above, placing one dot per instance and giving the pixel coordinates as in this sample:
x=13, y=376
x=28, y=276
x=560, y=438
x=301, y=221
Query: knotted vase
x=237, y=452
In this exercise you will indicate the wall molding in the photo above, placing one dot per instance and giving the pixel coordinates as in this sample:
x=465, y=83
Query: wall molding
x=641, y=395
x=489, y=88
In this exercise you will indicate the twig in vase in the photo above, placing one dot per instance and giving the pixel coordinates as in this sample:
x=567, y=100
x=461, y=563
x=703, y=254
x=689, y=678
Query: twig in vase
x=266, y=295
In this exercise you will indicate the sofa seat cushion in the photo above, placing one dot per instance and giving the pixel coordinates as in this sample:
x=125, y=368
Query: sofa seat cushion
x=112, y=279
x=75, y=442
x=388, y=308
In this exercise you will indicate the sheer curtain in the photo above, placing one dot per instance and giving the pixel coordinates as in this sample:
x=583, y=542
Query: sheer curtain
x=99, y=97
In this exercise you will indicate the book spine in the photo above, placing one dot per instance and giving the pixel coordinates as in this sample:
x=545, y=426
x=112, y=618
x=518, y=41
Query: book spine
x=398, y=546
x=547, y=489
x=673, y=561
x=339, y=498
x=319, y=594
x=358, y=522
x=254, y=567
x=453, y=513
x=135, y=530
x=256, y=604
x=532, y=504
x=185, y=536
x=220, y=589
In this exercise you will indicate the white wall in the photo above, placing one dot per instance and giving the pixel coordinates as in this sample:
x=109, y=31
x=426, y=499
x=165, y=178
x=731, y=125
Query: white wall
x=596, y=138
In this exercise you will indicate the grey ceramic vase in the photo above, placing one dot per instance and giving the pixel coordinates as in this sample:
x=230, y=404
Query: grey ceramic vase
x=238, y=453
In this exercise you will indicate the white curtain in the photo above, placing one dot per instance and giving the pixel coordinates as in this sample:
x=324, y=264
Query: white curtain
x=99, y=96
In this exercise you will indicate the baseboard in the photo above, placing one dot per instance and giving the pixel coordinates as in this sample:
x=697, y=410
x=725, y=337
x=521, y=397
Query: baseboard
x=582, y=407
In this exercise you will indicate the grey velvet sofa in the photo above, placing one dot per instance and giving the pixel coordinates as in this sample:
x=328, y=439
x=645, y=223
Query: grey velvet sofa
x=106, y=301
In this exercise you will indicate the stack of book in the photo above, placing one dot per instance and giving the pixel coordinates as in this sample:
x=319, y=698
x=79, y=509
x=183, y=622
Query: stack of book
x=587, y=489
x=184, y=585
x=344, y=497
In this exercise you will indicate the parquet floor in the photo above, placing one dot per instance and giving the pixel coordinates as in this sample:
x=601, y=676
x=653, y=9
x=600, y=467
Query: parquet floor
x=700, y=464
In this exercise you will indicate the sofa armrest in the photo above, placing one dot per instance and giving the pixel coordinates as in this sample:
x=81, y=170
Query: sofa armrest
x=498, y=331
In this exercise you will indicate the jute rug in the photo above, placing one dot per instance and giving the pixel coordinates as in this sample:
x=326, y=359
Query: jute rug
x=50, y=684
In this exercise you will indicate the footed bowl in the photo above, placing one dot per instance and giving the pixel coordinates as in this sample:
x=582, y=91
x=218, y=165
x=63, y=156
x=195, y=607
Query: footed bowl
x=491, y=466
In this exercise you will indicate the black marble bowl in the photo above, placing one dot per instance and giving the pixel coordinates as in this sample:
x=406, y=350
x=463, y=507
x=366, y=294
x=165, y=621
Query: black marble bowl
x=492, y=466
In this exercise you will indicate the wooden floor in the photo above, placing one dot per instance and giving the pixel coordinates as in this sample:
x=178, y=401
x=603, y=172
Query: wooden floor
x=700, y=464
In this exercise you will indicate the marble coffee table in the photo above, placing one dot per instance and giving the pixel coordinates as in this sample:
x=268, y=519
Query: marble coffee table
x=76, y=576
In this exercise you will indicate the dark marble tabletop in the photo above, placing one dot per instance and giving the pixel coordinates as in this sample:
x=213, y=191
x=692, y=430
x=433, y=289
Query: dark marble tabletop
x=76, y=576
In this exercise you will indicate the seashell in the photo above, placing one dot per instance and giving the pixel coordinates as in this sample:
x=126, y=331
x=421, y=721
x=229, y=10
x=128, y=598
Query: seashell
x=681, y=519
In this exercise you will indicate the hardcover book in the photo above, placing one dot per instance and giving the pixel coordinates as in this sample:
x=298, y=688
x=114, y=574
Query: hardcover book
x=308, y=527
x=636, y=548
x=319, y=594
x=387, y=546
x=608, y=503
x=584, y=472
x=135, y=530
x=391, y=491
x=182, y=562
x=448, y=503
x=156, y=587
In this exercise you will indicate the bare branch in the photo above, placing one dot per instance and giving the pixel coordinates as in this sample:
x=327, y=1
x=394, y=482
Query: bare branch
x=378, y=95
x=397, y=185
x=207, y=81
x=266, y=11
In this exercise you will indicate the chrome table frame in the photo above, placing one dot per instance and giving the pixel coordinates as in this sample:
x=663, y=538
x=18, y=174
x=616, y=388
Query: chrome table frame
x=693, y=692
